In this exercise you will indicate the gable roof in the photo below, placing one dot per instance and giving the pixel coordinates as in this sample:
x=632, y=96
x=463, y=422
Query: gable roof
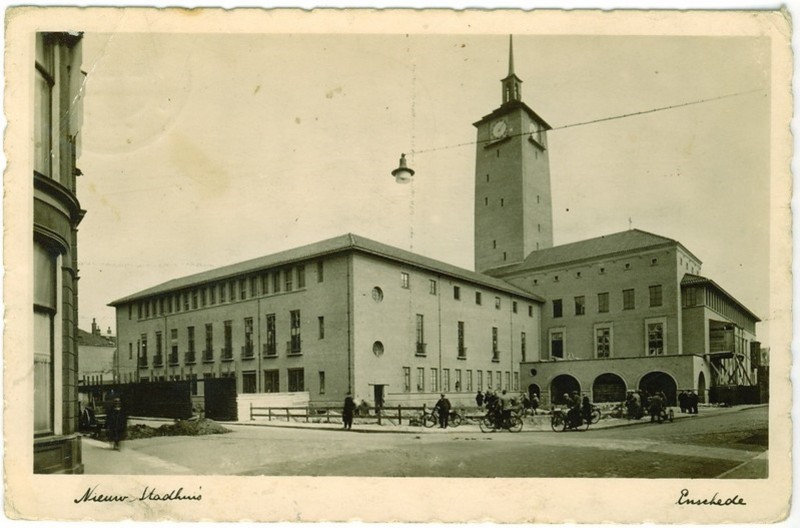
x=89, y=339
x=602, y=246
x=690, y=279
x=339, y=244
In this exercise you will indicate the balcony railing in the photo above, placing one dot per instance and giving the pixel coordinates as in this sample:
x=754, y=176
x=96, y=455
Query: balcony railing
x=189, y=358
x=247, y=351
x=173, y=358
x=462, y=352
x=226, y=354
x=496, y=356
x=269, y=350
x=158, y=360
x=293, y=347
x=421, y=349
x=143, y=362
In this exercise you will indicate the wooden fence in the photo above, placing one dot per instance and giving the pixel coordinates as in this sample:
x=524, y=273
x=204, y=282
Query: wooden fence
x=394, y=415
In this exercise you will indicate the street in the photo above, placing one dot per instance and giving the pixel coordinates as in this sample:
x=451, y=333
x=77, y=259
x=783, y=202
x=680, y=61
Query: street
x=730, y=443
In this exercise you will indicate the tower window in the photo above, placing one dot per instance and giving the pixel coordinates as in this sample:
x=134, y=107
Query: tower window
x=487, y=178
x=502, y=201
x=486, y=201
x=538, y=199
x=498, y=153
x=539, y=227
x=504, y=255
x=494, y=244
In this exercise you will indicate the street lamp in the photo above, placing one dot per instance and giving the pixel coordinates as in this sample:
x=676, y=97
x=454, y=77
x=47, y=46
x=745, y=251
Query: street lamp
x=402, y=174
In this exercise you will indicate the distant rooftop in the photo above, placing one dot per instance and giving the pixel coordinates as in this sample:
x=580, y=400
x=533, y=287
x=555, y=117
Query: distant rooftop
x=348, y=242
x=88, y=339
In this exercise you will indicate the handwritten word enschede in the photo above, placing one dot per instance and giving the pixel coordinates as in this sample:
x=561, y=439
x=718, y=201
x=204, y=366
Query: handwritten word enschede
x=684, y=499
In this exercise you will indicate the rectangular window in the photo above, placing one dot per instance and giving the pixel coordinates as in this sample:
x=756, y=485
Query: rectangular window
x=406, y=379
x=253, y=286
x=288, y=279
x=456, y=293
x=321, y=382
x=264, y=284
x=655, y=339
x=495, y=350
x=489, y=380
x=130, y=351
x=194, y=300
x=530, y=310
x=480, y=380
x=478, y=299
x=580, y=305
x=158, y=360
x=242, y=289
x=272, y=381
x=522, y=346
x=320, y=271
x=321, y=326
x=208, y=352
x=301, y=276
x=603, y=342
x=45, y=315
x=232, y=290
x=446, y=380
x=270, y=347
x=516, y=381
x=497, y=303
x=628, y=299
x=173, y=346
x=602, y=302
x=139, y=310
x=43, y=106
x=222, y=288
x=557, y=308
x=434, y=380
x=248, y=348
x=249, y=382
x=420, y=328
x=557, y=345
x=276, y=281
x=420, y=379
x=147, y=309
x=297, y=382
x=227, y=350
x=462, y=350
x=469, y=381
x=655, y=295
x=514, y=306
x=294, y=317
x=507, y=384
x=458, y=380
x=143, y=350
x=432, y=287
x=212, y=295
x=404, y=280
x=190, y=333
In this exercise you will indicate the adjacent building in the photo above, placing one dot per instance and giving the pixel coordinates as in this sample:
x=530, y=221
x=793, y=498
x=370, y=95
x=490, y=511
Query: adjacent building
x=56, y=215
x=342, y=315
x=97, y=357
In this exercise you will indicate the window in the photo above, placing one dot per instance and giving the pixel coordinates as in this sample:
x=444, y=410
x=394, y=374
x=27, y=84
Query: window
x=580, y=305
x=45, y=315
x=212, y=295
x=420, y=379
x=478, y=298
x=522, y=345
x=253, y=286
x=690, y=297
x=434, y=380
x=494, y=244
x=602, y=302
x=489, y=380
x=271, y=381
x=247, y=349
x=462, y=350
x=242, y=289
x=495, y=351
x=276, y=281
x=497, y=303
x=301, y=276
x=507, y=384
x=530, y=310
x=627, y=266
x=227, y=350
x=321, y=382
x=143, y=350
x=420, y=329
x=516, y=381
x=249, y=382
x=469, y=381
x=194, y=299
x=480, y=380
x=446, y=380
x=43, y=106
x=294, y=316
x=270, y=348
x=406, y=379
x=602, y=342
x=222, y=293
x=628, y=299
x=456, y=293
x=208, y=353
x=288, y=279
x=185, y=302
x=158, y=360
x=320, y=271
x=655, y=338
x=321, y=327
x=147, y=309
x=654, y=262
x=557, y=308
x=432, y=288
x=296, y=380
x=514, y=306
x=404, y=280
x=557, y=344
x=139, y=310
x=130, y=350
x=458, y=386
x=655, y=295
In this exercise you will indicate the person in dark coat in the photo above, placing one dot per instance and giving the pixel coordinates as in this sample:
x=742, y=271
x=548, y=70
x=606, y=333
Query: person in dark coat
x=656, y=408
x=116, y=424
x=692, y=400
x=534, y=403
x=479, y=399
x=348, y=410
x=443, y=408
x=682, y=401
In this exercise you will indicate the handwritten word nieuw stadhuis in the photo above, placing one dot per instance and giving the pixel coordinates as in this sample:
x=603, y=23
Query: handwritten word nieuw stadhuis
x=148, y=494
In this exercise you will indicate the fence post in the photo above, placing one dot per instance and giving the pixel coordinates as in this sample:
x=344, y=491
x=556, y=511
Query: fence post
x=327, y=415
x=288, y=419
x=251, y=411
x=378, y=413
x=308, y=411
x=269, y=414
x=399, y=415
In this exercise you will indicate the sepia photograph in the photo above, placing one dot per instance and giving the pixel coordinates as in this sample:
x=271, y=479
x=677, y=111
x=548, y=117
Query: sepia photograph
x=526, y=251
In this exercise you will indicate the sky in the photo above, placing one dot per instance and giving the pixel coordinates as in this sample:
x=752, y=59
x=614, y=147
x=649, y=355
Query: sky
x=200, y=150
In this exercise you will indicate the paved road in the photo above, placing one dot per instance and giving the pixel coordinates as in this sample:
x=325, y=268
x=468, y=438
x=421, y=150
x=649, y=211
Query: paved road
x=730, y=444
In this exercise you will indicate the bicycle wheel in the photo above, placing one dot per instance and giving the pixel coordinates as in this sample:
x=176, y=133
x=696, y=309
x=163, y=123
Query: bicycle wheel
x=428, y=420
x=515, y=424
x=487, y=424
x=455, y=420
x=557, y=422
x=595, y=416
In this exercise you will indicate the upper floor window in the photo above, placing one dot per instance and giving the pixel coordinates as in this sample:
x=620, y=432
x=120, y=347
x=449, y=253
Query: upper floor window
x=557, y=308
x=478, y=298
x=301, y=276
x=655, y=295
x=602, y=302
x=497, y=303
x=43, y=105
x=628, y=299
x=287, y=279
x=580, y=305
x=404, y=280
x=456, y=293
x=320, y=271
x=432, y=287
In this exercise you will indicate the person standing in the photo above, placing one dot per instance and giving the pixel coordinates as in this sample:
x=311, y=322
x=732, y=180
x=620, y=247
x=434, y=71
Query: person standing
x=534, y=403
x=443, y=408
x=682, y=401
x=348, y=410
x=692, y=400
x=479, y=399
x=116, y=424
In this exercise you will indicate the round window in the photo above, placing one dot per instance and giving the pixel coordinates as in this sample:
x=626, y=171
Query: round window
x=377, y=348
x=533, y=372
x=377, y=294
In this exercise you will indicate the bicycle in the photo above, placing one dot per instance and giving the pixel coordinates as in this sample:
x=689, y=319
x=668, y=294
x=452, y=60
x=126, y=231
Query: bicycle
x=559, y=422
x=510, y=421
x=431, y=418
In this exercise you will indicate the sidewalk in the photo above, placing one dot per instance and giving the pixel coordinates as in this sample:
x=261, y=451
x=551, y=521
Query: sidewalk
x=100, y=459
x=538, y=423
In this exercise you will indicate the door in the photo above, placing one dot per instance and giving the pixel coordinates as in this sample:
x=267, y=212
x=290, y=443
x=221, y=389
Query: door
x=378, y=396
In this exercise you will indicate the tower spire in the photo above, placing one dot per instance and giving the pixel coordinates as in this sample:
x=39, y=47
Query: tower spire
x=512, y=89
x=510, y=55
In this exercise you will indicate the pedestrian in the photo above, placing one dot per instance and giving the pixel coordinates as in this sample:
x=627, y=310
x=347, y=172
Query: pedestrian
x=348, y=410
x=479, y=399
x=534, y=403
x=682, y=401
x=116, y=424
x=656, y=408
x=692, y=400
x=443, y=408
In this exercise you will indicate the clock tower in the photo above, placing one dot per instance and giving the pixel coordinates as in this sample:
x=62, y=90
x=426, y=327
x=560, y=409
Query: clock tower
x=513, y=208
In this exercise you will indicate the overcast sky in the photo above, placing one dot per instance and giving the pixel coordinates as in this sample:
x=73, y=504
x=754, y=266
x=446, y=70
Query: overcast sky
x=205, y=150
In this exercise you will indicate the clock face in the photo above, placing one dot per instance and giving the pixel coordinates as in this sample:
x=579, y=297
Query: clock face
x=499, y=129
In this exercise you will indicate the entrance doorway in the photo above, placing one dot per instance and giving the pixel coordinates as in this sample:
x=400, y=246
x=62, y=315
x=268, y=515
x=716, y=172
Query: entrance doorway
x=378, y=389
x=654, y=382
x=561, y=385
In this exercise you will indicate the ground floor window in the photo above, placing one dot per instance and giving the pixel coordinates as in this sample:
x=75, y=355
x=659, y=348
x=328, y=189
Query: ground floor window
x=458, y=380
x=406, y=379
x=655, y=336
x=446, y=380
x=321, y=382
x=434, y=380
x=249, y=382
x=602, y=341
x=296, y=380
x=469, y=381
x=489, y=380
x=480, y=380
x=45, y=317
x=516, y=381
x=271, y=381
x=420, y=379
